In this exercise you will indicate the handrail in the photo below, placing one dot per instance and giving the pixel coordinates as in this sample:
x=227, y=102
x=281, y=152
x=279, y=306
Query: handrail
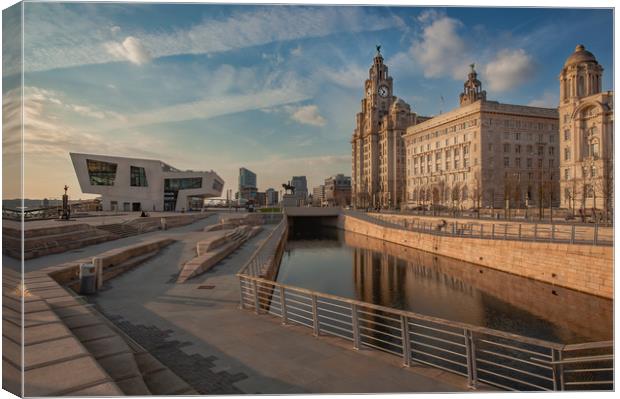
x=489, y=230
x=400, y=312
x=481, y=354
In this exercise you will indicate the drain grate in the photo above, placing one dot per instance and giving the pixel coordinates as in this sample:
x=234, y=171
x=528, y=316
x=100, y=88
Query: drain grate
x=206, y=287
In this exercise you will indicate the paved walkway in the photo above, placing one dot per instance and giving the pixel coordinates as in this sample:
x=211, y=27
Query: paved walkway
x=198, y=331
x=92, y=250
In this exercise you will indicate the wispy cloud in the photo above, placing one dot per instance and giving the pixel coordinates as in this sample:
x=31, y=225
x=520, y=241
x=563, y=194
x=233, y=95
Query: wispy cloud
x=549, y=99
x=130, y=49
x=307, y=115
x=61, y=37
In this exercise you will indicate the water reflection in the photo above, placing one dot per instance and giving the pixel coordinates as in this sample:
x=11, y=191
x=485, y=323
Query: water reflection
x=355, y=266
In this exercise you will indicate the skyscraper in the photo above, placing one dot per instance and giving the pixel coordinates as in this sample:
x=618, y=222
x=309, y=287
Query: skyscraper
x=247, y=184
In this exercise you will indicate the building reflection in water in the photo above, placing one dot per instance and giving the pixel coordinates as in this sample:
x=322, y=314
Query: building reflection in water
x=371, y=270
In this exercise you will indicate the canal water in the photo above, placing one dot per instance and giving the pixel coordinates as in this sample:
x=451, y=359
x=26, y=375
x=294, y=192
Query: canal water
x=354, y=266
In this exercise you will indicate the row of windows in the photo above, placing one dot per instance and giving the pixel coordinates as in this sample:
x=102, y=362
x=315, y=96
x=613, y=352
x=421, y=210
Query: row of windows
x=447, y=130
x=101, y=173
x=183, y=183
x=540, y=150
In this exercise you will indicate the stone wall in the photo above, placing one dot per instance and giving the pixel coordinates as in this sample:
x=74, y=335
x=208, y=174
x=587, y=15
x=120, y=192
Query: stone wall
x=583, y=268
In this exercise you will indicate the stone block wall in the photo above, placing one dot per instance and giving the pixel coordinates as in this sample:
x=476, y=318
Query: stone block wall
x=585, y=268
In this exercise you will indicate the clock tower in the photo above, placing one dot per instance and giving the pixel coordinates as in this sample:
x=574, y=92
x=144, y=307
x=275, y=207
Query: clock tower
x=377, y=147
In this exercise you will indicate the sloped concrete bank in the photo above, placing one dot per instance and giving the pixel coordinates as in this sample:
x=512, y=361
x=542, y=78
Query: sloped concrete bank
x=71, y=349
x=585, y=268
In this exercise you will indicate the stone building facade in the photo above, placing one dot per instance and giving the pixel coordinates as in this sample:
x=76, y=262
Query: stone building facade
x=586, y=130
x=483, y=154
x=378, y=150
x=338, y=190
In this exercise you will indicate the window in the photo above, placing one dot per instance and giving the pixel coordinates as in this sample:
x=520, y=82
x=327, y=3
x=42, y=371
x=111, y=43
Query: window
x=566, y=174
x=551, y=162
x=567, y=154
x=182, y=183
x=541, y=150
x=506, y=162
x=101, y=173
x=518, y=162
x=137, y=177
x=518, y=148
x=517, y=136
x=594, y=148
x=551, y=150
x=465, y=162
x=529, y=163
x=593, y=171
x=529, y=149
x=506, y=147
x=217, y=185
x=490, y=147
x=540, y=163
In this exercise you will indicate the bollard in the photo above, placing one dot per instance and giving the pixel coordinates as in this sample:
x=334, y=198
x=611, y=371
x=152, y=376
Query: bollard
x=404, y=322
x=355, y=326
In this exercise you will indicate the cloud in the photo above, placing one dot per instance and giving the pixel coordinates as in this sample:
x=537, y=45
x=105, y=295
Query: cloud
x=115, y=29
x=441, y=50
x=60, y=37
x=549, y=99
x=351, y=76
x=131, y=49
x=307, y=115
x=509, y=69
x=297, y=51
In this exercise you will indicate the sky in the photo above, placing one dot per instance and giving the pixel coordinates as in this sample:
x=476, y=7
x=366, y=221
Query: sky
x=274, y=89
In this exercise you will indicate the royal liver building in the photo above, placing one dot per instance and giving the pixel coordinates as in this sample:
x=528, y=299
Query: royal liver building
x=378, y=147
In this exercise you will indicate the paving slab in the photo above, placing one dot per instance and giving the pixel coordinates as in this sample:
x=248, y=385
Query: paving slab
x=120, y=366
x=103, y=389
x=107, y=346
x=90, y=333
x=45, y=332
x=52, y=352
x=11, y=378
x=67, y=376
x=134, y=386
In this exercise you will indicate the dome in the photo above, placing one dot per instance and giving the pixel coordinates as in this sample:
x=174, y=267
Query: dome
x=580, y=55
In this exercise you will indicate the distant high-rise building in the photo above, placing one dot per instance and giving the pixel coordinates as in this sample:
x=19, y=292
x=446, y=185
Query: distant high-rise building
x=271, y=197
x=318, y=195
x=301, y=187
x=247, y=184
x=337, y=191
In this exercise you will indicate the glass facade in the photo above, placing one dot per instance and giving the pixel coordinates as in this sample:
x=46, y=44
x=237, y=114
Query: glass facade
x=101, y=173
x=182, y=183
x=138, y=177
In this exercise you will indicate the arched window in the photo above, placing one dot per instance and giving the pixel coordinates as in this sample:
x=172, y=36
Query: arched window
x=465, y=193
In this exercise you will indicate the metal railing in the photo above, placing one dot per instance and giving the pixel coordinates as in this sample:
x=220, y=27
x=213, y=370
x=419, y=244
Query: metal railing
x=480, y=354
x=561, y=233
x=501, y=359
x=265, y=256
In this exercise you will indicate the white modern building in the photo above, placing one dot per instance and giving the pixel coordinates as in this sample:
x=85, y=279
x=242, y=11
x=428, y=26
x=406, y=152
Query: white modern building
x=130, y=184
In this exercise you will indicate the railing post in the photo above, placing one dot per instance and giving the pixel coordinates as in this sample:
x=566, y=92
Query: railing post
x=356, y=327
x=404, y=323
x=453, y=228
x=242, y=303
x=256, y=303
x=552, y=232
x=493, y=231
x=315, y=317
x=535, y=231
x=558, y=370
x=470, y=350
x=572, y=234
x=596, y=234
x=519, y=231
x=506, y=231
x=481, y=230
x=283, y=306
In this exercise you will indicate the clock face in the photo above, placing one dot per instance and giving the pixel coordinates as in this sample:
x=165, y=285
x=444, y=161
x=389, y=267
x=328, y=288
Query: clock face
x=383, y=91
